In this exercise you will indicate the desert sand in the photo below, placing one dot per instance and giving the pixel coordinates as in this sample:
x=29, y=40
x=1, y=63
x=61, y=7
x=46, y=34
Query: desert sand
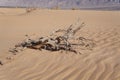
x=101, y=63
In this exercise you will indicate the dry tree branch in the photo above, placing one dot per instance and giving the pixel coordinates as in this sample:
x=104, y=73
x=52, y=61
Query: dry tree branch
x=78, y=28
x=55, y=43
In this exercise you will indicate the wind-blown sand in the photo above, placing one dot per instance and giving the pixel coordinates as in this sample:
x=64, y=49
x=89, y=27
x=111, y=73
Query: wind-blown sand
x=102, y=63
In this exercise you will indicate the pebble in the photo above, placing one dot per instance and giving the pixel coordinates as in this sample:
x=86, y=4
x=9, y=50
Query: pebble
x=1, y=63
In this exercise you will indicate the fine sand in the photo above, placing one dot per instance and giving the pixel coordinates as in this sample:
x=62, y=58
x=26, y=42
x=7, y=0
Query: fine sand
x=101, y=63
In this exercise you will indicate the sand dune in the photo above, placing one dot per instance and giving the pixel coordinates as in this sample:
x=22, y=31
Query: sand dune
x=102, y=63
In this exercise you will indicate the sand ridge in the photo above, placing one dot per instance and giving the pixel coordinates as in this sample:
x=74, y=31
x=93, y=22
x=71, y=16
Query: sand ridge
x=102, y=63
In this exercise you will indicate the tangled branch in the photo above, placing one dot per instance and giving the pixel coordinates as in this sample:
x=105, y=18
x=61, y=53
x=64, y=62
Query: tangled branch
x=56, y=42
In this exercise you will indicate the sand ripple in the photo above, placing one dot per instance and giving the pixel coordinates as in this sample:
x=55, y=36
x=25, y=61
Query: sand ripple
x=101, y=63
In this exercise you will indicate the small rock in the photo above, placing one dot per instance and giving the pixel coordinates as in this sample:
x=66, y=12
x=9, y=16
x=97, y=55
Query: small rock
x=1, y=63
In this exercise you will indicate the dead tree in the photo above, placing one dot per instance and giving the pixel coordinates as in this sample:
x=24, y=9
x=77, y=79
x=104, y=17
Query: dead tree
x=55, y=42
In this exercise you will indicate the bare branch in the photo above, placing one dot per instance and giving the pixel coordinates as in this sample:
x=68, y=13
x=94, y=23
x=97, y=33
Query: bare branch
x=55, y=42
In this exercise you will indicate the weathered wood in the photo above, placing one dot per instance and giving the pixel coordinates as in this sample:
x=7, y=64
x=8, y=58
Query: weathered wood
x=55, y=43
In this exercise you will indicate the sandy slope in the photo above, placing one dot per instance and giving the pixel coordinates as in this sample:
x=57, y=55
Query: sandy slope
x=102, y=63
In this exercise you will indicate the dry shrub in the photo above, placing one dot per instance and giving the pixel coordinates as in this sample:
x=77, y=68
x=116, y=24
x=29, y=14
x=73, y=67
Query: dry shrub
x=28, y=10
